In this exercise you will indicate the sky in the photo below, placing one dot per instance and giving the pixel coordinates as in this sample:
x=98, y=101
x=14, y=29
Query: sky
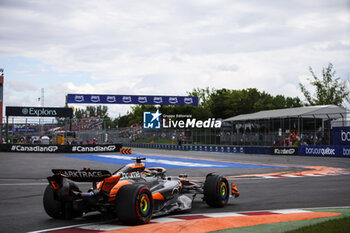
x=157, y=47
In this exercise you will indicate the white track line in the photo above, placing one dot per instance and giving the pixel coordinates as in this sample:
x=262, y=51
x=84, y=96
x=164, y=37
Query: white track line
x=23, y=184
x=61, y=228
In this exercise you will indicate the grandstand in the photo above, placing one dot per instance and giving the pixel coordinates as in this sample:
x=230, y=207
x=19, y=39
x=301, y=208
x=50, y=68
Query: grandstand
x=311, y=125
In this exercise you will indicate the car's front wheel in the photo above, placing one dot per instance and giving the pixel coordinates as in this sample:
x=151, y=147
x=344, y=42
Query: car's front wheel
x=216, y=190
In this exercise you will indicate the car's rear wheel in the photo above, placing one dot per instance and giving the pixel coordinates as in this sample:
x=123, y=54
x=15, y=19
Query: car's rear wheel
x=216, y=191
x=53, y=207
x=56, y=208
x=134, y=204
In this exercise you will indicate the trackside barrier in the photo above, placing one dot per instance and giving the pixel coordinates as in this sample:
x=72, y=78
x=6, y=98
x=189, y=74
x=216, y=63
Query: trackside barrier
x=208, y=148
x=321, y=151
x=26, y=148
x=284, y=150
x=325, y=151
x=125, y=151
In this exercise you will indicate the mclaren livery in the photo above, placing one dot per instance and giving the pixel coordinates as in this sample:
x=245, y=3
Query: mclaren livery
x=133, y=193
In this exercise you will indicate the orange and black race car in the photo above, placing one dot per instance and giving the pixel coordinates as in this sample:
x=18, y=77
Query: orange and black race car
x=133, y=193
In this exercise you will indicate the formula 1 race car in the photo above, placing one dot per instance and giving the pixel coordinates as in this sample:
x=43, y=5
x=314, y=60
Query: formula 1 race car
x=133, y=193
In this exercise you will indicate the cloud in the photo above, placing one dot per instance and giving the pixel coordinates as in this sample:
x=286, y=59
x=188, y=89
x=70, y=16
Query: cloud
x=20, y=86
x=171, y=47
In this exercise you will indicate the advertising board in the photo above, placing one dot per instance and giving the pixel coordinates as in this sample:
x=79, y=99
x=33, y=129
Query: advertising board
x=341, y=136
x=26, y=148
x=284, y=150
x=39, y=112
x=325, y=151
x=131, y=99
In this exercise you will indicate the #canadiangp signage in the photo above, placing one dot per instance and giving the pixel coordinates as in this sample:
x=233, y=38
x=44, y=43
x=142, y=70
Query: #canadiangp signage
x=60, y=148
x=284, y=150
x=39, y=112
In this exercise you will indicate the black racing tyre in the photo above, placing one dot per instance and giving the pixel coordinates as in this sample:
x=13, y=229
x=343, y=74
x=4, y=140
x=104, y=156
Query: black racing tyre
x=53, y=208
x=216, y=191
x=134, y=204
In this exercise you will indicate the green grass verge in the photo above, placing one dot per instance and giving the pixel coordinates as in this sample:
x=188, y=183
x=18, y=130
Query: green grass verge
x=284, y=227
x=330, y=226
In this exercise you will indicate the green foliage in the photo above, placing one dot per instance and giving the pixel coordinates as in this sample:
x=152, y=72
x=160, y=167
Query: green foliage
x=227, y=103
x=91, y=111
x=329, y=90
x=216, y=103
x=100, y=111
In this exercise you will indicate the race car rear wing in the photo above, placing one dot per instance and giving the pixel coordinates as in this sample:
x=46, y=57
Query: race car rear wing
x=85, y=175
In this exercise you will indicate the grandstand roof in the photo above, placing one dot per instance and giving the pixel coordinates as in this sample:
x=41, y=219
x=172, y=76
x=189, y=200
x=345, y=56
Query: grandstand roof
x=320, y=111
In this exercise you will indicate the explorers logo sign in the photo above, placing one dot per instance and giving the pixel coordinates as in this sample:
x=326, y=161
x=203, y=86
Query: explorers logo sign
x=152, y=120
x=39, y=112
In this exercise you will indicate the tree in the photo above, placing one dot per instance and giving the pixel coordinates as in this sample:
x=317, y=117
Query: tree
x=215, y=103
x=329, y=89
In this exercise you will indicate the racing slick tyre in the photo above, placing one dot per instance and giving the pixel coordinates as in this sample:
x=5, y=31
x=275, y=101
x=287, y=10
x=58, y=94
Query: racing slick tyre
x=216, y=191
x=134, y=204
x=58, y=209
x=53, y=207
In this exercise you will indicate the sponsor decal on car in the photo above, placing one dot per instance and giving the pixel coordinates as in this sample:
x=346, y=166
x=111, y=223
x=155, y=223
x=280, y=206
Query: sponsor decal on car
x=80, y=174
x=130, y=175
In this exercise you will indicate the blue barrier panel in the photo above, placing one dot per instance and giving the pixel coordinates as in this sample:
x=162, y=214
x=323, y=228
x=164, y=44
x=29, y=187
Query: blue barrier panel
x=325, y=151
x=341, y=136
x=257, y=150
x=207, y=148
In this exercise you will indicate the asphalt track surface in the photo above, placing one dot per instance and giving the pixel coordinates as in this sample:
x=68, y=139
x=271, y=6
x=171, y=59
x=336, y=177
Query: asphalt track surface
x=23, y=180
